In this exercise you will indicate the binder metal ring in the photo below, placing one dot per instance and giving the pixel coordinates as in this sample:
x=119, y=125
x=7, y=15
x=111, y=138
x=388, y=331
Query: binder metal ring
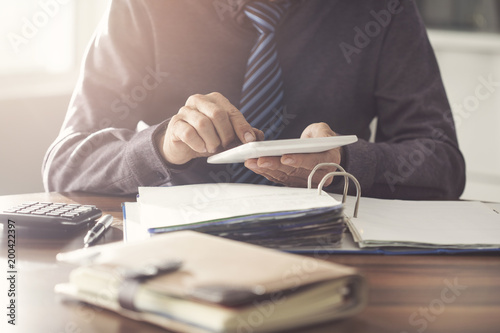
x=320, y=165
x=346, y=175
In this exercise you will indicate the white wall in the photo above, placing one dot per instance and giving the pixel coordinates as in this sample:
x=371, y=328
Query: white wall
x=467, y=61
x=27, y=128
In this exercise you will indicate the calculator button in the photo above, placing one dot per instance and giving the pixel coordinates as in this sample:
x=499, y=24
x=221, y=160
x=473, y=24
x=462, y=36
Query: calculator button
x=83, y=210
x=46, y=213
x=58, y=205
x=53, y=214
x=27, y=204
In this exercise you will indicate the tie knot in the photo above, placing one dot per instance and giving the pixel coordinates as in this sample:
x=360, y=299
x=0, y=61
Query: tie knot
x=265, y=15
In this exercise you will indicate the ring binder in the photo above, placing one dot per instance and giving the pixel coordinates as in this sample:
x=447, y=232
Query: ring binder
x=346, y=175
x=309, y=179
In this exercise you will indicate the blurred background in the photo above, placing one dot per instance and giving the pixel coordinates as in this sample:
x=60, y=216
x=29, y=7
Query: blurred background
x=43, y=41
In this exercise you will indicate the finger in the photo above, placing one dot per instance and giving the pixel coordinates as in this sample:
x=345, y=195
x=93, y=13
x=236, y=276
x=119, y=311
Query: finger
x=273, y=169
x=307, y=162
x=185, y=133
x=251, y=164
x=259, y=134
x=216, y=111
x=297, y=177
x=263, y=163
x=310, y=160
x=317, y=130
x=203, y=126
x=269, y=174
x=241, y=128
x=282, y=174
x=271, y=166
x=269, y=162
x=280, y=177
x=277, y=177
x=228, y=120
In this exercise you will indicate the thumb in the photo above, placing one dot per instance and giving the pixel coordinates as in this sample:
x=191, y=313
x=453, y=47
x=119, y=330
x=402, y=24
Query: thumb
x=317, y=130
x=259, y=134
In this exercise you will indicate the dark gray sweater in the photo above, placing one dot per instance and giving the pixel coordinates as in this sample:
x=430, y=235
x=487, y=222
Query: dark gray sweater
x=344, y=63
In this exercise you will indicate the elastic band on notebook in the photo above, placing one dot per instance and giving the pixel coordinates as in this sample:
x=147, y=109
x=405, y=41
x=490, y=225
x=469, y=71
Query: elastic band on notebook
x=127, y=292
x=134, y=277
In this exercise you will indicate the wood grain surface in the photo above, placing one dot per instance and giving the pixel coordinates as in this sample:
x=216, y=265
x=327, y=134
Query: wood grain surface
x=432, y=293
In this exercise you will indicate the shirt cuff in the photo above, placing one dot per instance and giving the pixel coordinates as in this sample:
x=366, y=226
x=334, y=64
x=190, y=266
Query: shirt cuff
x=359, y=159
x=144, y=159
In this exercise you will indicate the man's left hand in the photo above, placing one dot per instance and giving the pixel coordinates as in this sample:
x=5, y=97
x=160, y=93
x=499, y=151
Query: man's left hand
x=294, y=169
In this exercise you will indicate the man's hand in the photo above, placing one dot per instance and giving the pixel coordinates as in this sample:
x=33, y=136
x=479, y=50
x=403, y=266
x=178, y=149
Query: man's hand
x=294, y=169
x=206, y=125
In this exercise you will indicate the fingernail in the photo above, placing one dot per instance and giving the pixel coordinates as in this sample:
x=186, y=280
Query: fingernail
x=249, y=137
x=265, y=165
x=288, y=160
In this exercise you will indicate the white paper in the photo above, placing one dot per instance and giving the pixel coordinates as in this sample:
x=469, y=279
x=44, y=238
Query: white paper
x=426, y=223
x=179, y=205
x=132, y=228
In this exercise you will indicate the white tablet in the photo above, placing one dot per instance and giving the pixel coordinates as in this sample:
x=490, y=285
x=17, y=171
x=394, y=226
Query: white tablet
x=280, y=147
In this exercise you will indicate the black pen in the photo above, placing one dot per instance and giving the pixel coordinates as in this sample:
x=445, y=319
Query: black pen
x=97, y=230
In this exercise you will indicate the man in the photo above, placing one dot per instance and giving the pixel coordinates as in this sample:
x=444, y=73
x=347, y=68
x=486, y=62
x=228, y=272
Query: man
x=164, y=86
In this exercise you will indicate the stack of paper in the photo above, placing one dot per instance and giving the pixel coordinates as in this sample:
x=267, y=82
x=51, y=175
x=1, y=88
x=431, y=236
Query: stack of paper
x=460, y=225
x=278, y=217
x=191, y=282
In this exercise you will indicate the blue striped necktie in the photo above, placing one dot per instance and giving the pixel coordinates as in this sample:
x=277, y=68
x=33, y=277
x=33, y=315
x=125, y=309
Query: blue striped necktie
x=262, y=94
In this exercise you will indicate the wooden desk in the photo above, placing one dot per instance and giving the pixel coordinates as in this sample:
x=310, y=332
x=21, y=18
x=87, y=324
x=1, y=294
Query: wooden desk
x=438, y=293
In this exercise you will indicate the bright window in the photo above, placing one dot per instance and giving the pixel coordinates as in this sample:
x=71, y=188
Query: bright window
x=42, y=43
x=39, y=36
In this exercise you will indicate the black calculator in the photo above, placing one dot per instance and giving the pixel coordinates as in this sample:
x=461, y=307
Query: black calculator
x=50, y=215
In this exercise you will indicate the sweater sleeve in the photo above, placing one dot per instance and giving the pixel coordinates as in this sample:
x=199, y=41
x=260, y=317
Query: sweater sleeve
x=415, y=154
x=101, y=147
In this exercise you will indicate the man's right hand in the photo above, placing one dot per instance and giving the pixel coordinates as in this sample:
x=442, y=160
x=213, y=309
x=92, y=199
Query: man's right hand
x=206, y=125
